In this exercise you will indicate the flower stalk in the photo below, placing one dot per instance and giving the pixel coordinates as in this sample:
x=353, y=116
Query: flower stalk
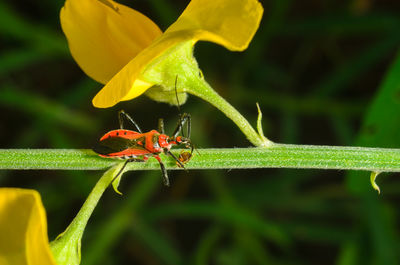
x=206, y=93
x=66, y=247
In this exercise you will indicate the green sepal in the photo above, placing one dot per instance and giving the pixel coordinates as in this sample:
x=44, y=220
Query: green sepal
x=158, y=93
x=171, y=71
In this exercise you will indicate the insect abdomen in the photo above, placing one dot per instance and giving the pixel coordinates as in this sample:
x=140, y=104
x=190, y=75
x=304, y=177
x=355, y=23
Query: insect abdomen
x=127, y=134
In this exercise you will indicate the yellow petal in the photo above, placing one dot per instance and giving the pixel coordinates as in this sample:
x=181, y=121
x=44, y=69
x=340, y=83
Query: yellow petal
x=104, y=36
x=231, y=23
x=127, y=83
x=23, y=228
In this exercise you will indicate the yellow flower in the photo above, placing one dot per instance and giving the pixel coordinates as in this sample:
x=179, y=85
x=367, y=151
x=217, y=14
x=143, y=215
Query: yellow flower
x=23, y=228
x=118, y=46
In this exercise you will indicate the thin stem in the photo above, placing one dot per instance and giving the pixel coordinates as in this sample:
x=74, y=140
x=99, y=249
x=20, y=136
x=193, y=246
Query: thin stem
x=198, y=86
x=277, y=156
x=205, y=92
x=66, y=248
x=81, y=219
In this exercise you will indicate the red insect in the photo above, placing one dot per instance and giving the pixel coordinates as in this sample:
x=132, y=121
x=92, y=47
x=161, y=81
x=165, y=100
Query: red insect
x=136, y=146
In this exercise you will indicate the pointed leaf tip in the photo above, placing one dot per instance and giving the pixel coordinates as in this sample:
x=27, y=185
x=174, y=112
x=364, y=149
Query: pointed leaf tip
x=116, y=173
x=266, y=142
x=373, y=177
x=115, y=184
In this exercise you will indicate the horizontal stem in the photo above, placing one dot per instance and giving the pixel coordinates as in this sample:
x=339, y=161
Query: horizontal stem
x=276, y=156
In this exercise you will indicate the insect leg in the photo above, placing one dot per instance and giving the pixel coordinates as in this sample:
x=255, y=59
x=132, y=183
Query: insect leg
x=120, y=171
x=121, y=115
x=163, y=169
x=123, y=167
x=189, y=126
x=176, y=159
x=161, y=126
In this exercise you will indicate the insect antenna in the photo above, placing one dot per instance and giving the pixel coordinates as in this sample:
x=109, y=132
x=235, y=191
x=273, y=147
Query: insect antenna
x=176, y=95
x=121, y=115
x=178, y=104
x=183, y=118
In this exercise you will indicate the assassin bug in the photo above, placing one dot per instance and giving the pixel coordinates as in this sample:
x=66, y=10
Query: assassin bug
x=136, y=146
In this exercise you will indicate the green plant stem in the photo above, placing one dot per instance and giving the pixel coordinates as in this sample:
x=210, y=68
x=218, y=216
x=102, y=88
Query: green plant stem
x=198, y=86
x=66, y=247
x=206, y=93
x=276, y=156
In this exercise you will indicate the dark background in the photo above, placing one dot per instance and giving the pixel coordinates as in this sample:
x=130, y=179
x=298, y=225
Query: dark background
x=315, y=67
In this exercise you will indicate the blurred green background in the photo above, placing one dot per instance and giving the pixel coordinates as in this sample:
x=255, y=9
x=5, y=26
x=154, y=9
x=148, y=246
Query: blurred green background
x=324, y=72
